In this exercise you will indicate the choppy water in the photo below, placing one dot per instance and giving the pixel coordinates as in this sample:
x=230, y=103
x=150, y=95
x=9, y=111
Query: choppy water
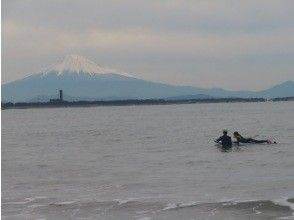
x=147, y=162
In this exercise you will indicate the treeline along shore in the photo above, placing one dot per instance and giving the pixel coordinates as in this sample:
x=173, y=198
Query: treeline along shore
x=22, y=105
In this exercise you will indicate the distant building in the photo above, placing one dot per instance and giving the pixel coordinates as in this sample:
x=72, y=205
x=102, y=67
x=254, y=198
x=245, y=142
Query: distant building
x=60, y=97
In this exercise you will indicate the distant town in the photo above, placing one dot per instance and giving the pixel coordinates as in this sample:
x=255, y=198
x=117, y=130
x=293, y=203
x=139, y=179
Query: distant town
x=60, y=102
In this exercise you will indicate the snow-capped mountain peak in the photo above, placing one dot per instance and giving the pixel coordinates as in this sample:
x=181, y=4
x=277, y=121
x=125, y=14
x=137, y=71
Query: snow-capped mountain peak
x=77, y=64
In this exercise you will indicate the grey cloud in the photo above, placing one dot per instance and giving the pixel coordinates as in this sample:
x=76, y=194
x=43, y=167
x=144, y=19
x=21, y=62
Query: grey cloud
x=201, y=43
x=188, y=15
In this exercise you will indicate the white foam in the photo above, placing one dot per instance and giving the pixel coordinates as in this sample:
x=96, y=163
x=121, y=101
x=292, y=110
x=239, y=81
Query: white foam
x=26, y=200
x=124, y=201
x=284, y=202
x=15, y=203
x=37, y=205
x=214, y=212
x=144, y=218
x=65, y=202
x=188, y=204
x=287, y=217
x=30, y=199
x=170, y=206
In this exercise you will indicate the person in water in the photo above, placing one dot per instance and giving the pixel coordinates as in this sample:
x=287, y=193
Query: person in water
x=241, y=139
x=225, y=140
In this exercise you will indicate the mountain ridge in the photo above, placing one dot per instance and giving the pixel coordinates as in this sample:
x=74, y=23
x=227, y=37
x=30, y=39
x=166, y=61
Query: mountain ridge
x=81, y=78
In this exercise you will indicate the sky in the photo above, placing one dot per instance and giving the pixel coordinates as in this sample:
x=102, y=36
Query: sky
x=237, y=45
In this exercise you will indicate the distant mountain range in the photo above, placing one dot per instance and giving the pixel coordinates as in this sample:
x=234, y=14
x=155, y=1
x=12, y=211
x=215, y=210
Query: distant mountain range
x=82, y=79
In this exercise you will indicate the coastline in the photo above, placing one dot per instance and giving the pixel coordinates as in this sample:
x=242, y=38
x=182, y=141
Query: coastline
x=66, y=104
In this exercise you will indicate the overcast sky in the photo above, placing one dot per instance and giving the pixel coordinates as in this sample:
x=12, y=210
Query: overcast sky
x=234, y=44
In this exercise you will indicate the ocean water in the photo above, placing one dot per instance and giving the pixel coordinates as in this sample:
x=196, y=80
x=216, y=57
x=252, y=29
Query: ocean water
x=147, y=162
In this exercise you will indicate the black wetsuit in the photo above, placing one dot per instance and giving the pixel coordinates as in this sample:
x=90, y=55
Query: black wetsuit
x=241, y=139
x=226, y=141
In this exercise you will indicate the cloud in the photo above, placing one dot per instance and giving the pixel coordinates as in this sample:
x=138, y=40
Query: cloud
x=207, y=37
x=212, y=16
x=28, y=38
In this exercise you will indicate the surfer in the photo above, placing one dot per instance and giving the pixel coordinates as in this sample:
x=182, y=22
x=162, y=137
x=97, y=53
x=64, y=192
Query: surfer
x=225, y=140
x=241, y=139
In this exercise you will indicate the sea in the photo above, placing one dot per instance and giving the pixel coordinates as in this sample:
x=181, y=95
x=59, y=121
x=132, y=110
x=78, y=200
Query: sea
x=152, y=162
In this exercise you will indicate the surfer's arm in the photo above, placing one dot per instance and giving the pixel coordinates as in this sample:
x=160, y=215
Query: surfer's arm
x=218, y=140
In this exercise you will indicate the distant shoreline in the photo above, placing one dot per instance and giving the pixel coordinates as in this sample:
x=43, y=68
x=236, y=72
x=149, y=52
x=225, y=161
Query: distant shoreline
x=66, y=104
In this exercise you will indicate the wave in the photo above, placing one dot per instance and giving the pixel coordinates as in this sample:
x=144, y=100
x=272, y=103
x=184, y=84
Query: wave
x=148, y=209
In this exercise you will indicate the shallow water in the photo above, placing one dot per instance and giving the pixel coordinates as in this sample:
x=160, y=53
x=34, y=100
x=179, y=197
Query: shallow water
x=147, y=162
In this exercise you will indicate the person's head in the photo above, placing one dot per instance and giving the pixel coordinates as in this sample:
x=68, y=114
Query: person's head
x=225, y=131
x=236, y=134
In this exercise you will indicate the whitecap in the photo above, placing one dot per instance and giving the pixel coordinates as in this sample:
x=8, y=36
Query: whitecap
x=284, y=202
x=65, y=202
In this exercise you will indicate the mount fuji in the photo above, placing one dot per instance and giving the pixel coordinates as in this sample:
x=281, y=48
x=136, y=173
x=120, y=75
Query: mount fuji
x=82, y=79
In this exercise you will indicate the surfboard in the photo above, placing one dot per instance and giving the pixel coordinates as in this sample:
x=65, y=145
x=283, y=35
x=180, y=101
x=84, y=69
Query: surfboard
x=246, y=144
